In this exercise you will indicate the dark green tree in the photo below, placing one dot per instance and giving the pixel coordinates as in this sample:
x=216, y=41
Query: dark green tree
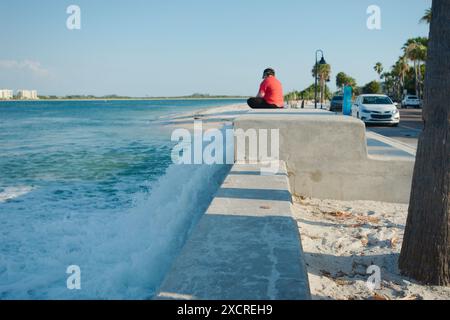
x=372, y=87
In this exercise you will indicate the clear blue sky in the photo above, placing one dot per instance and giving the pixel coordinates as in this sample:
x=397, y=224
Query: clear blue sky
x=178, y=47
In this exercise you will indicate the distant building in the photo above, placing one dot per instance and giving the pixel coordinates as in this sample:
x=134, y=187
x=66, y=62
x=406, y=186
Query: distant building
x=6, y=94
x=27, y=95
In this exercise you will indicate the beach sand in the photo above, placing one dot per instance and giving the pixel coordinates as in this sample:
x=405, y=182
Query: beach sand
x=341, y=239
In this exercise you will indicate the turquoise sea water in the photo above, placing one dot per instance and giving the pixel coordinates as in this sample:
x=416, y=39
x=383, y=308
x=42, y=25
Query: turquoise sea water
x=91, y=184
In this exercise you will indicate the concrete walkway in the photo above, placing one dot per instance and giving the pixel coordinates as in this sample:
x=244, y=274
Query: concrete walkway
x=246, y=246
x=382, y=147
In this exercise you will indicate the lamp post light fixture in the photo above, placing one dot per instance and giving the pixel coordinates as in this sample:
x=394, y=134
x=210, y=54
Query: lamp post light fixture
x=322, y=62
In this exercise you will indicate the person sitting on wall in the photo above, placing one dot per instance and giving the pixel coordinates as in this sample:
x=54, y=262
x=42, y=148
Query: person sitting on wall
x=270, y=95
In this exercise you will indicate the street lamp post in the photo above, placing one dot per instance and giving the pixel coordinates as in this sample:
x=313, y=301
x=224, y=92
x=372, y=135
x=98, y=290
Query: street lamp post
x=322, y=62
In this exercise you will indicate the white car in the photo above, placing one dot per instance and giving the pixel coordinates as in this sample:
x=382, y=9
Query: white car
x=376, y=108
x=411, y=101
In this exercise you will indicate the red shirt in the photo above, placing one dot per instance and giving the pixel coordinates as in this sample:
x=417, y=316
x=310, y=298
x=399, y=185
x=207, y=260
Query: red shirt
x=272, y=91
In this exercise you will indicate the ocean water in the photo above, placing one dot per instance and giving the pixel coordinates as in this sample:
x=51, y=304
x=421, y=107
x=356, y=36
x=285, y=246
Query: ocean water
x=92, y=184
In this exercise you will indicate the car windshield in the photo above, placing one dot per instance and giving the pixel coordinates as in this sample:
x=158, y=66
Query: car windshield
x=338, y=98
x=412, y=98
x=377, y=100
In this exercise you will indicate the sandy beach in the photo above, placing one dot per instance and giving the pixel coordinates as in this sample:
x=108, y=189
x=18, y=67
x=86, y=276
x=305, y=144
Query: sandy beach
x=341, y=239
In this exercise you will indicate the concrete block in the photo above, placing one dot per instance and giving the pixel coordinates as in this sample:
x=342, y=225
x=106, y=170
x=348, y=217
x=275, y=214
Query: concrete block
x=246, y=247
x=326, y=157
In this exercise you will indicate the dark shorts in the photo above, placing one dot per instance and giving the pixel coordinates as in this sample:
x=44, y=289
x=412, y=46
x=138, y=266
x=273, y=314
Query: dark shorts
x=260, y=103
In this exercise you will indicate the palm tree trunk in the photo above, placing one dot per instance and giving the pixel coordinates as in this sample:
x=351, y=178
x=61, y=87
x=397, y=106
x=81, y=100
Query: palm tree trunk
x=425, y=254
x=422, y=77
x=322, y=88
x=416, y=78
x=402, y=84
x=419, y=80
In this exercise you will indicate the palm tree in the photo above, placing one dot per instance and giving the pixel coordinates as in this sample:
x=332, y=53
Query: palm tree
x=343, y=80
x=399, y=70
x=389, y=82
x=379, y=68
x=427, y=17
x=422, y=53
x=323, y=73
x=425, y=254
x=415, y=50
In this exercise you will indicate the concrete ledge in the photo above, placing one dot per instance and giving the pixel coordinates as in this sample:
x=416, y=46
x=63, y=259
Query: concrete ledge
x=246, y=246
x=327, y=157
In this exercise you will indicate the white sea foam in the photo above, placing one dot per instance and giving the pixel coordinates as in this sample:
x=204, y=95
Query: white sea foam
x=79, y=213
x=122, y=255
x=10, y=193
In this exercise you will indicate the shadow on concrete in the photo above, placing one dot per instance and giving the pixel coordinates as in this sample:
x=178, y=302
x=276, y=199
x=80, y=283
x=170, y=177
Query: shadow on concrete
x=232, y=257
x=253, y=173
x=254, y=194
x=376, y=143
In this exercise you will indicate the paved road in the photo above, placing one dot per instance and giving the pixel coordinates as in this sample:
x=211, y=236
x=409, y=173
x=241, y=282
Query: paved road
x=408, y=131
x=395, y=142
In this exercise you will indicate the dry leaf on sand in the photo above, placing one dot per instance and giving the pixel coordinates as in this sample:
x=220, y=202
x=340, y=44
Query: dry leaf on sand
x=394, y=242
x=325, y=273
x=380, y=297
x=365, y=241
x=341, y=215
x=412, y=297
x=342, y=282
x=364, y=219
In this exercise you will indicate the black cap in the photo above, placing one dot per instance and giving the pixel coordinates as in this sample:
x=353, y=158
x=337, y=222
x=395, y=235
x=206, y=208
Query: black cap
x=268, y=72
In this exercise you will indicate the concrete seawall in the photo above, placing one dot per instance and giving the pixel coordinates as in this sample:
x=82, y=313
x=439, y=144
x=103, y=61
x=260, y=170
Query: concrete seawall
x=246, y=246
x=327, y=158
